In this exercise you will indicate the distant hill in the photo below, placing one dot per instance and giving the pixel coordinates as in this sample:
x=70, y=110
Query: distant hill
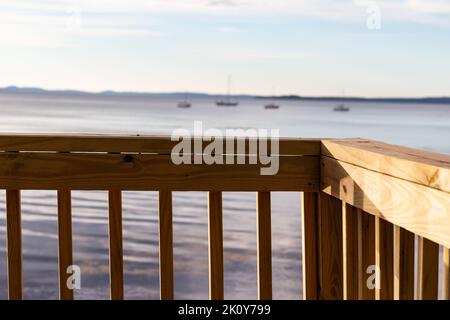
x=109, y=93
x=32, y=90
x=13, y=89
x=195, y=95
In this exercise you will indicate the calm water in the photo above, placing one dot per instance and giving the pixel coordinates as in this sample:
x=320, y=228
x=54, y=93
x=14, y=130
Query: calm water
x=418, y=125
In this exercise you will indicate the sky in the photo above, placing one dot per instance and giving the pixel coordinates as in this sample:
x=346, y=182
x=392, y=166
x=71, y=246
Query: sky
x=381, y=48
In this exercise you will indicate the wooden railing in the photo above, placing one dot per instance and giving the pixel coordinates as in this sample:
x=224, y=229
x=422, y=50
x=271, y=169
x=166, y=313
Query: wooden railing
x=374, y=199
x=363, y=204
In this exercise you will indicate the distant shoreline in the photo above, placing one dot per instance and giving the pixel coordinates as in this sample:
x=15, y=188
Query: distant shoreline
x=434, y=100
x=192, y=95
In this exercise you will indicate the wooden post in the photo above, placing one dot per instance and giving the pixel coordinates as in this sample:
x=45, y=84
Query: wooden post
x=14, y=235
x=166, y=284
x=384, y=258
x=263, y=230
x=446, y=275
x=115, y=245
x=330, y=248
x=366, y=245
x=403, y=264
x=310, y=203
x=428, y=270
x=64, y=242
x=351, y=254
x=215, y=244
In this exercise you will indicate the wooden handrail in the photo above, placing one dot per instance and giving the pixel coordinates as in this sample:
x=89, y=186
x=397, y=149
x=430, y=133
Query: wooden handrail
x=364, y=202
x=422, y=167
x=133, y=143
x=141, y=172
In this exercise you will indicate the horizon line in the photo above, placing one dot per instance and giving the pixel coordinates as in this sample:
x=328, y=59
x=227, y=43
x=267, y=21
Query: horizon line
x=39, y=90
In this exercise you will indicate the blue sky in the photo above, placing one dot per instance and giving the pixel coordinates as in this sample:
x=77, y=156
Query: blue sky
x=306, y=47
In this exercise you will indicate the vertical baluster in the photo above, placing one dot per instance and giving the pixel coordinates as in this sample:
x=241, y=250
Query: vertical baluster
x=215, y=245
x=14, y=235
x=366, y=245
x=166, y=284
x=446, y=275
x=264, y=236
x=330, y=248
x=64, y=242
x=384, y=258
x=350, y=238
x=115, y=245
x=403, y=264
x=309, y=248
x=428, y=271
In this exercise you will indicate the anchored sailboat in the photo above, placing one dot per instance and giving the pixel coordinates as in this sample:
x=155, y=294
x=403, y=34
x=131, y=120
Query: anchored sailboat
x=185, y=103
x=342, y=107
x=227, y=102
x=273, y=104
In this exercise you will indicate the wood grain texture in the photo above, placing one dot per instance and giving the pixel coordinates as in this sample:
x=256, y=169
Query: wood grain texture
x=384, y=258
x=428, y=270
x=215, y=244
x=123, y=143
x=422, y=210
x=366, y=253
x=446, y=275
x=65, y=252
x=264, y=247
x=14, y=238
x=403, y=264
x=330, y=248
x=310, y=203
x=166, y=281
x=422, y=167
x=149, y=172
x=115, y=245
x=351, y=252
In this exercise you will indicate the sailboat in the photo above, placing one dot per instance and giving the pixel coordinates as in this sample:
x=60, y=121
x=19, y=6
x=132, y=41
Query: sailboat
x=185, y=103
x=272, y=105
x=342, y=107
x=227, y=102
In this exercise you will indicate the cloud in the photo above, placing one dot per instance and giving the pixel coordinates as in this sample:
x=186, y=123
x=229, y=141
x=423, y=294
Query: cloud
x=222, y=3
x=241, y=54
x=291, y=7
x=433, y=7
x=228, y=29
x=49, y=19
x=50, y=24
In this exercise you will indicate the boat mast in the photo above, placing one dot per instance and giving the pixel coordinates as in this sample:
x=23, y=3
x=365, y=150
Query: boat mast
x=229, y=88
x=273, y=94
